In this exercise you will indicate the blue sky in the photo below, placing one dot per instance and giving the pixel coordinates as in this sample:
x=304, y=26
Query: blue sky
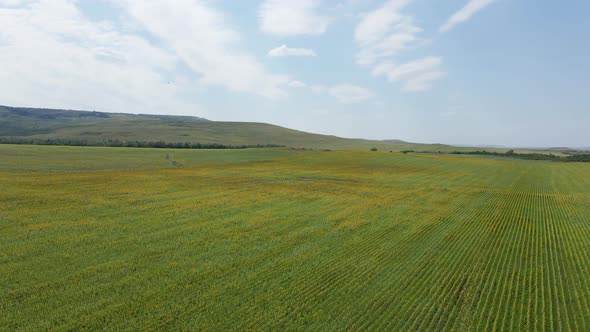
x=493, y=72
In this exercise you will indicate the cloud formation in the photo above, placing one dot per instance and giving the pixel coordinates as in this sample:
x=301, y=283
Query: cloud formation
x=200, y=36
x=55, y=57
x=422, y=82
x=383, y=34
x=296, y=84
x=13, y=2
x=344, y=93
x=416, y=75
x=465, y=13
x=292, y=18
x=283, y=50
x=61, y=58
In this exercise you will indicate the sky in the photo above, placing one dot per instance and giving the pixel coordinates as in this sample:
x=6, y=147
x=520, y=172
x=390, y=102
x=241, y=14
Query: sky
x=468, y=72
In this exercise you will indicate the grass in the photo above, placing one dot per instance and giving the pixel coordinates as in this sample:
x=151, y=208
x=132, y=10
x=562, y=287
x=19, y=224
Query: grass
x=96, y=127
x=126, y=239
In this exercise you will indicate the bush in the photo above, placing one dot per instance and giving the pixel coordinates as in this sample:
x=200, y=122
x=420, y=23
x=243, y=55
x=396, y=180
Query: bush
x=373, y=149
x=129, y=144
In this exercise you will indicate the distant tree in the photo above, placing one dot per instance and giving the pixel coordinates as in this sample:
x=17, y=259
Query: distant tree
x=132, y=144
x=373, y=149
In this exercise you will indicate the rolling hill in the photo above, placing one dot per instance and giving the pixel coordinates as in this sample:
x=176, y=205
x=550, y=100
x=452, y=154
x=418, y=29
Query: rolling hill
x=35, y=123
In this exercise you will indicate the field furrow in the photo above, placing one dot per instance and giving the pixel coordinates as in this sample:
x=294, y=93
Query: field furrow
x=292, y=240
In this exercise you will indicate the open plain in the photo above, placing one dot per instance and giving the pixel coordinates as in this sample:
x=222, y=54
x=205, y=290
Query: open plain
x=257, y=239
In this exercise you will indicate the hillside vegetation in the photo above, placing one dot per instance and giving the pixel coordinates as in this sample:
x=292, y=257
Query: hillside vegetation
x=30, y=124
x=95, y=238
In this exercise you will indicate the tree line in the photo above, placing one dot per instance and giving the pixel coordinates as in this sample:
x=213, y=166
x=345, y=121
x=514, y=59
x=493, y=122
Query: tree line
x=529, y=156
x=579, y=157
x=130, y=144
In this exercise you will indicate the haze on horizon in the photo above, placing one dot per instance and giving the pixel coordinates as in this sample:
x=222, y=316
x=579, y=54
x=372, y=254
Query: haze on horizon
x=467, y=72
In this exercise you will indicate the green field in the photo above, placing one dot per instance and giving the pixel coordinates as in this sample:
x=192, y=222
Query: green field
x=280, y=239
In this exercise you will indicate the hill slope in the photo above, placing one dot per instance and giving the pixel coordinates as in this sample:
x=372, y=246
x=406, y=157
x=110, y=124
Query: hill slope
x=30, y=123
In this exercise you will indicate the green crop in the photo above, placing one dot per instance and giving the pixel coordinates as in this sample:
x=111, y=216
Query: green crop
x=278, y=239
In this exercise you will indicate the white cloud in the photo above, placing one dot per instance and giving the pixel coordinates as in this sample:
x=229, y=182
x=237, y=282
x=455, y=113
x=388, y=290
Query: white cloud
x=14, y=2
x=344, y=93
x=200, y=36
x=283, y=50
x=296, y=84
x=396, y=73
x=415, y=76
x=465, y=13
x=384, y=33
x=58, y=58
x=291, y=18
x=422, y=82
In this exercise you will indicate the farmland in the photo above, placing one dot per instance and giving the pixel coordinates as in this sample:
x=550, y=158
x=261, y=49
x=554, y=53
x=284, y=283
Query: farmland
x=281, y=239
